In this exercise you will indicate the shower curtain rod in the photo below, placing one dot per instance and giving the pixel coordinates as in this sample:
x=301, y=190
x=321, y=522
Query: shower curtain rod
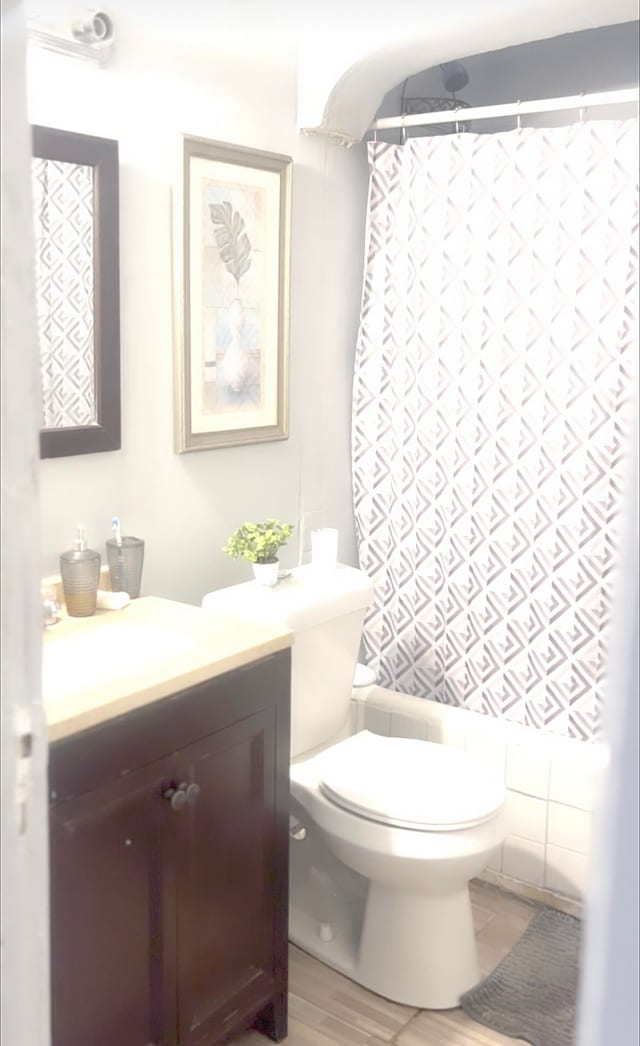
x=489, y=112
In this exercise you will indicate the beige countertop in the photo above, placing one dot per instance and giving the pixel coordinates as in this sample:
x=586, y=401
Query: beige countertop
x=95, y=668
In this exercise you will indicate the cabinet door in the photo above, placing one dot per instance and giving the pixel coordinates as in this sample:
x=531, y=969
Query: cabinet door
x=226, y=879
x=107, y=901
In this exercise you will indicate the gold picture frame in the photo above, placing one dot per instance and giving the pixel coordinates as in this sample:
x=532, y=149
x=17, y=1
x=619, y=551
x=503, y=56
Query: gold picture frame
x=232, y=246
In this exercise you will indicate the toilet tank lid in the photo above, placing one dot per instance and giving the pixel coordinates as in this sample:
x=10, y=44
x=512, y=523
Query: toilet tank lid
x=307, y=597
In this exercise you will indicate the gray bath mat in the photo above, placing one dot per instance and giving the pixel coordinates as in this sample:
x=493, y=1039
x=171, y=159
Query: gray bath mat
x=531, y=994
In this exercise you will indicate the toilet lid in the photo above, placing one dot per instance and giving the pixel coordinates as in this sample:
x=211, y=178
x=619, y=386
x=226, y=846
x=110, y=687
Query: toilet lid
x=409, y=783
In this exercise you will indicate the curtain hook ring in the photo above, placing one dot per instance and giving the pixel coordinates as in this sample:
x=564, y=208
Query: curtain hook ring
x=518, y=119
x=404, y=130
x=457, y=124
x=583, y=111
x=375, y=134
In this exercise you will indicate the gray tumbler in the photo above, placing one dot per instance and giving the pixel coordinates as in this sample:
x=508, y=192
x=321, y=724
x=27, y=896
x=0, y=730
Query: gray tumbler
x=125, y=565
x=80, y=573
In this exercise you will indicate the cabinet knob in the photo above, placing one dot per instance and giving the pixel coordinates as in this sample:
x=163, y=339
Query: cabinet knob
x=177, y=797
x=193, y=791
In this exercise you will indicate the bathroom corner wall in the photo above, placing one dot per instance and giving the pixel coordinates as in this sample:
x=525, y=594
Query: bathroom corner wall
x=158, y=86
x=552, y=785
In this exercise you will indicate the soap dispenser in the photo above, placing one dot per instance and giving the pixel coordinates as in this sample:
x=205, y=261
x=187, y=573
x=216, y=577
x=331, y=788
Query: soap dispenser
x=80, y=573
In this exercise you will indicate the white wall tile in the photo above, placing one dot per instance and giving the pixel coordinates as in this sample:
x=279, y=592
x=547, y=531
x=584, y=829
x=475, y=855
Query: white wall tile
x=376, y=720
x=434, y=731
x=357, y=711
x=495, y=864
x=572, y=781
x=569, y=827
x=527, y=769
x=392, y=701
x=488, y=750
x=434, y=712
x=566, y=871
x=526, y=816
x=407, y=726
x=523, y=859
x=446, y=734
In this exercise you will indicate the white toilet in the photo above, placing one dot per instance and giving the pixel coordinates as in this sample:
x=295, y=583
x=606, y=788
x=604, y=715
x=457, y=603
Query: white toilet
x=386, y=832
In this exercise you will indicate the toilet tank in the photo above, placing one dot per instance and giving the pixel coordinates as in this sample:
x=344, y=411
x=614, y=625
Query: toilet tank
x=325, y=610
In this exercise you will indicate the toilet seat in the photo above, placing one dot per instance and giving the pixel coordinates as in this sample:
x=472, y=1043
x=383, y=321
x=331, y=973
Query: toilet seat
x=409, y=783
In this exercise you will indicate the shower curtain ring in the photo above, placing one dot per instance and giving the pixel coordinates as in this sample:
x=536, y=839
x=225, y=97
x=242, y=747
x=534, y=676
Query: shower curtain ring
x=582, y=109
x=518, y=123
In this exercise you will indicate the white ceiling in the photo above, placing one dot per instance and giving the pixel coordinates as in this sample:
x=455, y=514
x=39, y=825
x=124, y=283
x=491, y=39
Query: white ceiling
x=202, y=21
x=351, y=52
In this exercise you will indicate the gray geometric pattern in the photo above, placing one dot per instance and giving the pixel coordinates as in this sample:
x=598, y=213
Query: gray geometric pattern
x=494, y=393
x=63, y=212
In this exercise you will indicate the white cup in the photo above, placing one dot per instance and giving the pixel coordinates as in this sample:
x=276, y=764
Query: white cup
x=324, y=548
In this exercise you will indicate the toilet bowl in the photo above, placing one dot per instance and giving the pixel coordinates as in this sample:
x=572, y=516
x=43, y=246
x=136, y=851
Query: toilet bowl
x=417, y=821
x=394, y=828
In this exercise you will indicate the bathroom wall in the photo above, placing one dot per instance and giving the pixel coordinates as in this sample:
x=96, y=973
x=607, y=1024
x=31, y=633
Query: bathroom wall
x=185, y=506
x=157, y=86
x=611, y=964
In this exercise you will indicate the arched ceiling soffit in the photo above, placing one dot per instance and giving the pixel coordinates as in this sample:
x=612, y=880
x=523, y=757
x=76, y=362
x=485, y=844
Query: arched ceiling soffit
x=343, y=75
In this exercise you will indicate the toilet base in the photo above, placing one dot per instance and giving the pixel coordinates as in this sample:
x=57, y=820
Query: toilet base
x=414, y=949
x=417, y=949
x=325, y=893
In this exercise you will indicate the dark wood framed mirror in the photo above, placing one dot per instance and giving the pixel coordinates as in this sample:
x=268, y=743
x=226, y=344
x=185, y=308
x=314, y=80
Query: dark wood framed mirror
x=75, y=203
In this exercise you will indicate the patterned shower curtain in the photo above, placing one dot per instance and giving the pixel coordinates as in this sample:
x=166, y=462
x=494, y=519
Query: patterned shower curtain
x=494, y=393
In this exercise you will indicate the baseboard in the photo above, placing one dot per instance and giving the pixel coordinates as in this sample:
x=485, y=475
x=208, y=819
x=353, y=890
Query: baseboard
x=531, y=893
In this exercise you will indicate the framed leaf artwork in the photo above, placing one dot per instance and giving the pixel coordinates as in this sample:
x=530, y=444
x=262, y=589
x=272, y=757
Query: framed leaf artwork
x=232, y=244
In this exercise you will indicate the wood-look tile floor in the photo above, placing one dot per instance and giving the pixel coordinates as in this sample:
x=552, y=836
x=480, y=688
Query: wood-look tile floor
x=327, y=1009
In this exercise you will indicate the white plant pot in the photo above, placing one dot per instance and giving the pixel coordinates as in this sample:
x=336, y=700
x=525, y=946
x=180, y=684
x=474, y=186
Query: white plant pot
x=266, y=573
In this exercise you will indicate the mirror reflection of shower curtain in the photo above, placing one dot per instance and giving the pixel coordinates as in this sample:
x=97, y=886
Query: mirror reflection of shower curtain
x=64, y=246
x=495, y=386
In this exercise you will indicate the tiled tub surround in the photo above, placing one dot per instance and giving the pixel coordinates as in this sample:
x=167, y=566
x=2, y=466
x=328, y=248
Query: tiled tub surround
x=551, y=784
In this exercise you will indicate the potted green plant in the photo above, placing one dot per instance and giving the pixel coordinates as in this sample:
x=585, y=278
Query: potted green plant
x=259, y=543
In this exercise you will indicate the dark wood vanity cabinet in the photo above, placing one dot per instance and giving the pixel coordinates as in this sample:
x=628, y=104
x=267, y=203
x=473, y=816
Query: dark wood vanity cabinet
x=169, y=857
